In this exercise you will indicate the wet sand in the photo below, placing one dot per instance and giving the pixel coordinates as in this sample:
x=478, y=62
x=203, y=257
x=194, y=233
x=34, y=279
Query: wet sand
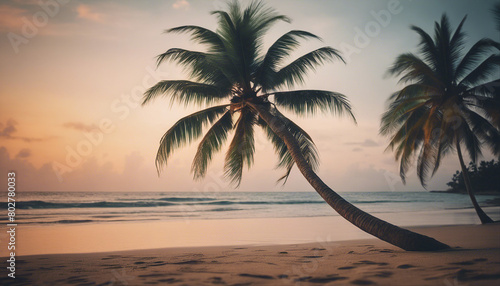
x=473, y=260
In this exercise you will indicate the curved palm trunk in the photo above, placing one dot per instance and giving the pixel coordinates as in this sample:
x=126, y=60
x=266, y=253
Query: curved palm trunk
x=390, y=233
x=480, y=213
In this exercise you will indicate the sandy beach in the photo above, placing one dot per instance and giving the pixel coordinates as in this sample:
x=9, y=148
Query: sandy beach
x=473, y=260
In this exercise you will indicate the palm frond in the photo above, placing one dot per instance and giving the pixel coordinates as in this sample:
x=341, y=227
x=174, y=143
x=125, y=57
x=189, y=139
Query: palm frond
x=305, y=142
x=496, y=14
x=489, y=89
x=185, y=131
x=182, y=57
x=242, y=32
x=416, y=91
x=185, y=92
x=295, y=72
x=285, y=158
x=282, y=48
x=478, y=51
x=471, y=141
x=278, y=51
x=423, y=163
x=201, y=35
x=488, y=68
x=202, y=67
x=405, y=149
x=398, y=111
x=486, y=97
x=443, y=147
x=426, y=161
x=312, y=101
x=448, y=53
x=427, y=47
x=457, y=42
x=242, y=147
x=413, y=69
x=408, y=137
x=211, y=142
x=484, y=130
x=434, y=139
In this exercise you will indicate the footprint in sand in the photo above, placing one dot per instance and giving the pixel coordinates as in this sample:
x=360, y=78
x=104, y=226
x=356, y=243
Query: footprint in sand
x=169, y=280
x=326, y=279
x=112, y=266
x=256, y=276
x=189, y=262
x=469, y=262
x=368, y=262
x=383, y=274
x=312, y=256
x=346, y=267
x=76, y=280
x=216, y=280
x=322, y=280
x=158, y=263
x=153, y=275
x=405, y=266
x=362, y=282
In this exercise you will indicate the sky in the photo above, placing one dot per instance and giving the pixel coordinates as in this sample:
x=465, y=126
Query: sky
x=72, y=74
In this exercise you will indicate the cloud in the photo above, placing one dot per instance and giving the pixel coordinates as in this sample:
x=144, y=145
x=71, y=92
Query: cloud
x=79, y=126
x=181, y=4
x=366, y=143
x=89, y=176
x=85, y=12
x=369, y=143
x=23, y=154
x=9, y=128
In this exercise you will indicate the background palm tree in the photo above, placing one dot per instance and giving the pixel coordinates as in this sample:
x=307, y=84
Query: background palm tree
x=235, y=70
x=449, y=102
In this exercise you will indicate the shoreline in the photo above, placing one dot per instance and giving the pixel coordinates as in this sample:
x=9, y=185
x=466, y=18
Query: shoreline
x=473, y=260
x=188, y=232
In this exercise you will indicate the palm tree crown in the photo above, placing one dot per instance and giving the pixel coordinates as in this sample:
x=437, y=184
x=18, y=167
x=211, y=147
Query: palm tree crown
x=450, y=100
x=253, y=83
x=233, y=74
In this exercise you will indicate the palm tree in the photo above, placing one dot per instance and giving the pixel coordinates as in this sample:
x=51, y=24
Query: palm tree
x=235, y=69
x=449, y=102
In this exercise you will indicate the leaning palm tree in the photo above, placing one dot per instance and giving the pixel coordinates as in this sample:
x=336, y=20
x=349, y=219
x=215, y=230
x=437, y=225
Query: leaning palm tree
x=234, y=69
x=450, y=102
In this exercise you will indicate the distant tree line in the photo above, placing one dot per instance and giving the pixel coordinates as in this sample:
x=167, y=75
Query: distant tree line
x=485, y=178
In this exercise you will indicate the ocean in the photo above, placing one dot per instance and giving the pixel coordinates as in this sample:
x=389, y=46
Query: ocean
x=403, y=208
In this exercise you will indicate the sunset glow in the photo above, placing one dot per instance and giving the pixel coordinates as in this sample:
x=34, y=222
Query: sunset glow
x=73, y=74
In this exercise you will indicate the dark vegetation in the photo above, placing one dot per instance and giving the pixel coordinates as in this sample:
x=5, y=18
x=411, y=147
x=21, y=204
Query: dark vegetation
x=485, y=178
